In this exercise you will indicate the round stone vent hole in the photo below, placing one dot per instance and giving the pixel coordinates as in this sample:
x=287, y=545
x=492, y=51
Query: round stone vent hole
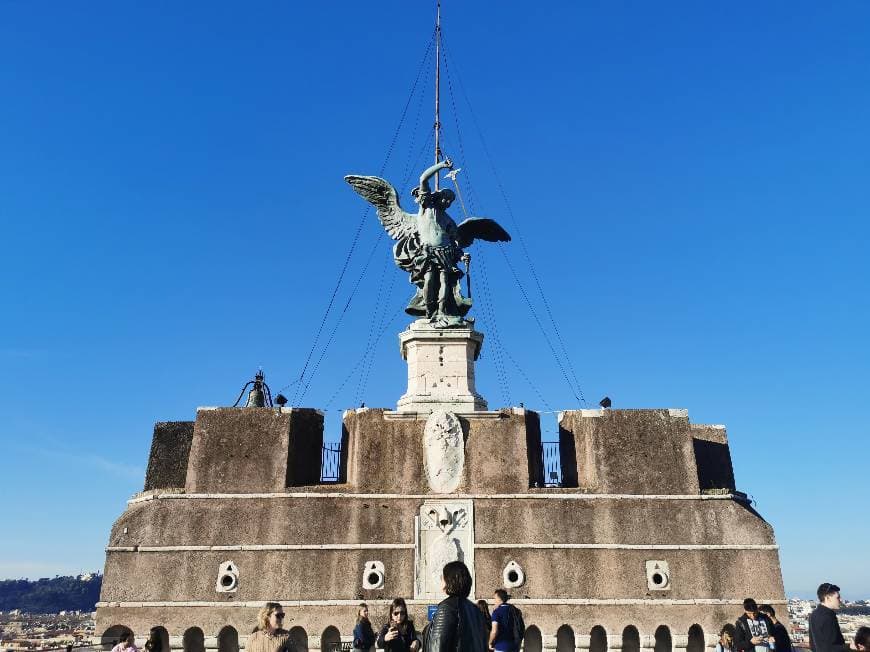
x=657, y=579
x=512, y=576
x=227, y=580
x=374, y=578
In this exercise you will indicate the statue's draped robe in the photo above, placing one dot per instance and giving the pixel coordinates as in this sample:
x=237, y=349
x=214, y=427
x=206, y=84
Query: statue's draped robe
x=418, y=259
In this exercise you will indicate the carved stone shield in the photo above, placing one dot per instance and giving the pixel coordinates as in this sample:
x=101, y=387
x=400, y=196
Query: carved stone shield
x=444, y=452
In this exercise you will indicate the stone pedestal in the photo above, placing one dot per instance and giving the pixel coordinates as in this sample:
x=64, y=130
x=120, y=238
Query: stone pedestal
x=440, y=368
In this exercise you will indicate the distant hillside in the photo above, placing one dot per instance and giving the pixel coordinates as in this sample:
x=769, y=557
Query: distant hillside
x=50, y=595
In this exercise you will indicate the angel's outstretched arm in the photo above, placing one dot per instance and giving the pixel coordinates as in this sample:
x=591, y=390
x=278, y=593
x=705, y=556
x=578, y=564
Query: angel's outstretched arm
x=424, y=178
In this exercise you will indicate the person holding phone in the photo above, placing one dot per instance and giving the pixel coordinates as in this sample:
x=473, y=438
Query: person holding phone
x=398, y=634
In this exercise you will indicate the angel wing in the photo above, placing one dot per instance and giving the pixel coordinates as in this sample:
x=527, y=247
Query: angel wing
x=383, y=197
x=480, y=228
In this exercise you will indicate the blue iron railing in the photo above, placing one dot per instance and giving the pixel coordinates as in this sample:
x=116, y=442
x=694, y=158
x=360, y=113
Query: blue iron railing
x=551, y=463
x=330, y=462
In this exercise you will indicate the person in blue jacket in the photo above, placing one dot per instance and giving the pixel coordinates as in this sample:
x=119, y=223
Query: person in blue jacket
x=363, y=634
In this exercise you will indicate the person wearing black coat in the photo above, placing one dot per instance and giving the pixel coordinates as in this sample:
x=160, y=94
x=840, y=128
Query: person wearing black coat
x=753, y=631
x=398, y=634
x=457, y=625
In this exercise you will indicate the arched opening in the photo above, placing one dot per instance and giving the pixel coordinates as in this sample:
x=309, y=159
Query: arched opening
x=565, y=639
x=300, y=638
x=161, y=638
x=630, y=639
x=663, y=639
x=532, y=641
x=696, y=639
x=330, y=640
x=598, y=639
x=193, y=640
x=228, y=639
x=112, y=636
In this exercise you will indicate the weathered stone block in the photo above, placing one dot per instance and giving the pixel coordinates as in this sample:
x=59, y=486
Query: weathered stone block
x=631, y=451
x=249, y=450
x=170, y=449
x=385, y=451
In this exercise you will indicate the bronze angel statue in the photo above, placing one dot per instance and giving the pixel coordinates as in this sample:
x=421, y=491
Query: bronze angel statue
x=429, y=244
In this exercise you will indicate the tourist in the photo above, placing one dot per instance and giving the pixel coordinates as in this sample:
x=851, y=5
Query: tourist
x=862, y=639
x=363, y=634
x=270, y=635
x=825, y=634
x=126, y=644
x=726, y=639
x=457, y=625
x=155, y=641
x=780, y=633
x=398, y=634
x=487, y=618
x=507, y=625
x=752, y=631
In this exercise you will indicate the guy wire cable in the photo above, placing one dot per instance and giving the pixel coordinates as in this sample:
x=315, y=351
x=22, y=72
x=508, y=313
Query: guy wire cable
x=361, y=223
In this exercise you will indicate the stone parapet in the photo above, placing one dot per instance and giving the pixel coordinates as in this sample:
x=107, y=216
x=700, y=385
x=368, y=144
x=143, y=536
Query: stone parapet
x=248, y=450
x=385, y=451
x=628, y=451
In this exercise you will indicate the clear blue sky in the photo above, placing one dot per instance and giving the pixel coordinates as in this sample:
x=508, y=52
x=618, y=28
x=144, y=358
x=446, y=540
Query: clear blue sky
x=690, y=181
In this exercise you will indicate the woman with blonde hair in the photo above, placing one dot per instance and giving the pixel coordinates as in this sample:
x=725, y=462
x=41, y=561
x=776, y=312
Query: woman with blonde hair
x=270, y=635
x=363, y=634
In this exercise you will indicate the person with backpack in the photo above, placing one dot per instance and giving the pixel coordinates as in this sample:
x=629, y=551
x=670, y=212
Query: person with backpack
x=508, y=627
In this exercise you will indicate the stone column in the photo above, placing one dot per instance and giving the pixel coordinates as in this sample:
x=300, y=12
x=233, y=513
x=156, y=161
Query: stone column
x=548, y=643
x=440, y=368
x=582, y=642
x=614, y=642
x=647, y=642
x=679, y=642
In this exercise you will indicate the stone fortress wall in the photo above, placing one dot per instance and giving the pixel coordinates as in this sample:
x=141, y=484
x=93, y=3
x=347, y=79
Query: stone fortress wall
x=646, y=546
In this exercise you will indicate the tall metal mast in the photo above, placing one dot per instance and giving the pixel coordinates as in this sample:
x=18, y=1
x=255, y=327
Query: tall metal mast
x=437, y=86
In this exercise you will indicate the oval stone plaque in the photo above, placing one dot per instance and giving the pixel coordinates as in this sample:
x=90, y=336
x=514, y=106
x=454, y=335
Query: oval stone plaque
x=445, y=451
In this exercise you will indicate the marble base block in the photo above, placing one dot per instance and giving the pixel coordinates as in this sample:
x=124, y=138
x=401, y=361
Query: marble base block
x=440, y=368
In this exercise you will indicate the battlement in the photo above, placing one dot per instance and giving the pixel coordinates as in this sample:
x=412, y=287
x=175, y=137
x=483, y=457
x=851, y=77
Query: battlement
x=256, y=450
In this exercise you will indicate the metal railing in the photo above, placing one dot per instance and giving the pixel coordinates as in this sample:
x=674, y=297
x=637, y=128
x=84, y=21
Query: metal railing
x=330, y=462
x=551, y=463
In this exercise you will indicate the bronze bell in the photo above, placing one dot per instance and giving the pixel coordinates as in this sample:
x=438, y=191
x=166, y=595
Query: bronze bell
x=257, y=397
